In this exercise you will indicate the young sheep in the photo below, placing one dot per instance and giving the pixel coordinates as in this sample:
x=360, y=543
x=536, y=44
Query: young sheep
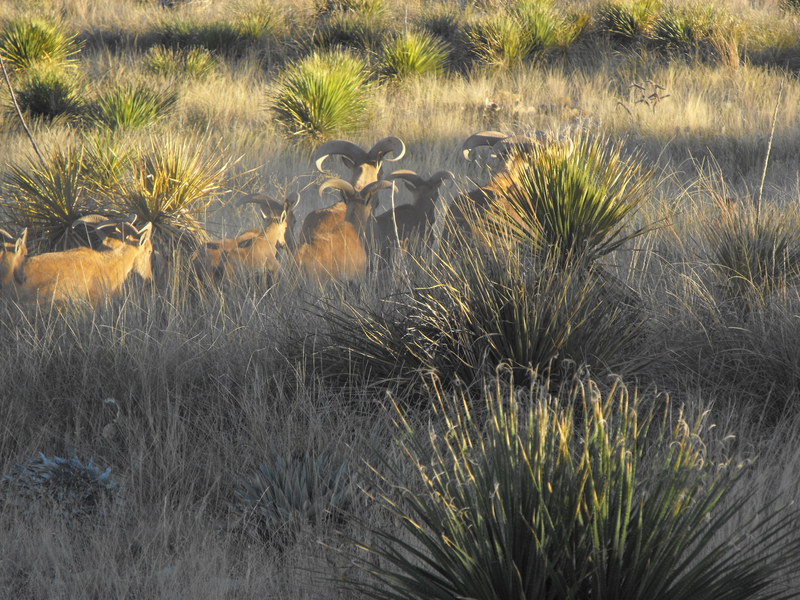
x=83, y=273
x=255, y=251
x=335, y=242
x=365, y=166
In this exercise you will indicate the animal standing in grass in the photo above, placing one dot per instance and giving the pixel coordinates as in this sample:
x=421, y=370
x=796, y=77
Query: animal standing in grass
x=85, y=274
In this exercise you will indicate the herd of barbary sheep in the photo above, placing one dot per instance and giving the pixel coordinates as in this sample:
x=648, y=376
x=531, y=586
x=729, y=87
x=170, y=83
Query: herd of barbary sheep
x=334, y=243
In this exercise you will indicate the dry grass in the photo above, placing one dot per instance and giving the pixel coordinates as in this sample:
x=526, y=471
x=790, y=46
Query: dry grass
x=212, y=380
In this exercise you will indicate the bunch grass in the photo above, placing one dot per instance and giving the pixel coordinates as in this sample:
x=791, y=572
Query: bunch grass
x=131, y=106
x=32, y=41
x=413, y=55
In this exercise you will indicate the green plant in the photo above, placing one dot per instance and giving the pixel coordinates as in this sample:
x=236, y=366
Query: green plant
x=368, y=8
x=683, y=30
x=289, y=493
x=173, y=62
x=625, y=23
x=322, y=94
x=47, y=91
x=48, y=198
x=229, y=37
x=586, y=494
x=131, y=106
x=475, y=307
x=73, y=488
x=413, y=54
x=352, y=30
x=754, y=252
x=511, y=36
x=574, y=198
x=29, y=42
x=170, y=184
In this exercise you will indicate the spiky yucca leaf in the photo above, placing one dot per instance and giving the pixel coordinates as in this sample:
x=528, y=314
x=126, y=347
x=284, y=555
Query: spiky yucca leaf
x=48, y=91
x=170, y=184
x=413, y=54
x=580, y=495
x=322, y=94
x=573, y=198
x=28, y=42
x=48, y=198
x=626, y=22
x=173, y=62
x=132, y=106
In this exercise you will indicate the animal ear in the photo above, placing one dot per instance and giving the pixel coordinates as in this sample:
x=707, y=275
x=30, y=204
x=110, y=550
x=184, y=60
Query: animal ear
x=21, y=242
x=246, y=243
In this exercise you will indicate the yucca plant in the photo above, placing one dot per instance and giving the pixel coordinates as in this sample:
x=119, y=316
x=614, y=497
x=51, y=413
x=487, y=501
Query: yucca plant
x=48, y=91
x=197, y=63
x=626, y=22
x=74, y=489
x=351, y=30
x=322, y=94
x=29, y=42
x=474, y=307
x=511, y=36
x=170, y=184
x=131, y=106
x=288, y=494
x=683, y=30
x=574, y=199
x=586, y=494
x=412, y=55
x=370, y=8
x=48, y=198
x=754, y=252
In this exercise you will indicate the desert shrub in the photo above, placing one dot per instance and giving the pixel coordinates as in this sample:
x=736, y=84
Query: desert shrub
x=170, y=183
x=48, y=198
x=130, y=106
x=583, y=494
x=197, y=63
x=683, y=30
x=508, y=37
x=322, y=94
x=625, y=23
x=413, y=54
x=574, y=198
x=48, y=91
x=29, y=42
x=283, y=497
x=230, y=37
x=68, y=487
x=368, y=8
x=475, y=307
x=754, y=252
x=351, y=30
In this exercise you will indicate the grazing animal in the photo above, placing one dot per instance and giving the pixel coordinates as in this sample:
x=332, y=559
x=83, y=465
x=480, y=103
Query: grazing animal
x=255, y=251
x=84, y=273
x=12, y=255
x=415, y=218
x=335, y=241
x=365, y=165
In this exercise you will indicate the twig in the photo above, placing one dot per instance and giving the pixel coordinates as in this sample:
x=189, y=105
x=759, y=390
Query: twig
x=769, y=150
x=19, y=111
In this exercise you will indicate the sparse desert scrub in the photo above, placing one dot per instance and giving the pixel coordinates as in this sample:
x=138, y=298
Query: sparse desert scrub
x=186, y=387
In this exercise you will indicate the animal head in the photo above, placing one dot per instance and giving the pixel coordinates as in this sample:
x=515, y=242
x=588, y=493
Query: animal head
x=141, y=240
x=502, y=147
x=423, y=190
x=99, y=232
x=273, y=212
x=12, y=254
x=365, y=165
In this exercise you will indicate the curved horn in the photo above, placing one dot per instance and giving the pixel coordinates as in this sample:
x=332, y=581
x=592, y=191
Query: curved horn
x=268, y=204
x=348, y=149
x=410, y=177
x=482, y=138
x=375, y=187
x=292, y=200
x=438, y=177
x=338, y=184
x=383, y=147
x=517, y=143
x=7, y=237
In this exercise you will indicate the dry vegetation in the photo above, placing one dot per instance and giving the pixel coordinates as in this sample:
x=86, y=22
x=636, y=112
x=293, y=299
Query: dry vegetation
x=186, y=387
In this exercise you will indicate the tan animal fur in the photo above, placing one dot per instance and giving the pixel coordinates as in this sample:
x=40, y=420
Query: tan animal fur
x=12, y=254
x=84, y=274
x=365, y=166
x=335, y=241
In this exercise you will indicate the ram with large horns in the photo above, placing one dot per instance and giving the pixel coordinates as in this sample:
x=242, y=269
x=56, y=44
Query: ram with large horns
x=336, y=242
x=365, y=165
